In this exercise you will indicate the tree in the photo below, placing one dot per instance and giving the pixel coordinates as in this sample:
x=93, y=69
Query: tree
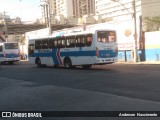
x=22, y=43
x=151, y=23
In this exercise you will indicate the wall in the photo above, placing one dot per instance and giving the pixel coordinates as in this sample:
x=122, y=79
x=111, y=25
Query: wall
x=152, y=46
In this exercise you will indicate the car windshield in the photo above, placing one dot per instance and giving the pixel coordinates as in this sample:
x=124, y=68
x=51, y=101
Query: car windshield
x=11, y=45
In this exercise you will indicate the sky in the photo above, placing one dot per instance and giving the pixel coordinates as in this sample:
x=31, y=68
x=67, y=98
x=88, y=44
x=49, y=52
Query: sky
x=27, y=10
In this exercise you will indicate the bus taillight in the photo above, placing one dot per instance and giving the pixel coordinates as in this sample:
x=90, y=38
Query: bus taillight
x=97, y=52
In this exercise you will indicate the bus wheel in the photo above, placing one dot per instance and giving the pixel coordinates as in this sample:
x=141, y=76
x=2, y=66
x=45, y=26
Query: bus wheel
x=38, y=62
x=86, y=66
x=67, y=63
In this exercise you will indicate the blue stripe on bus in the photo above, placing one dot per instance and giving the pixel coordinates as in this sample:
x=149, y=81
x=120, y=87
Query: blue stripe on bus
x=107, y=53
x=1, y=55
x=53, y=54
x=11, y=55
x=78, y=53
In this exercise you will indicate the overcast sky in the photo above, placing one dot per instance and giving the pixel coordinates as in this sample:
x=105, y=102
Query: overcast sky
x=27, y=10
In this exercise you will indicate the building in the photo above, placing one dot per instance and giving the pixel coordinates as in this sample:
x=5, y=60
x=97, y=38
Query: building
x=151, y=15
x=67, y=10
x=111, y=10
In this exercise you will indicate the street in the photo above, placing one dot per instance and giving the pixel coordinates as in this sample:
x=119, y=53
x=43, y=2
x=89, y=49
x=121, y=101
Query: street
x=116, y=87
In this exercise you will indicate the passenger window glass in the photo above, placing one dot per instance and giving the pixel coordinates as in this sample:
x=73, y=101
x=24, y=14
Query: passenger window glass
x=89, y=40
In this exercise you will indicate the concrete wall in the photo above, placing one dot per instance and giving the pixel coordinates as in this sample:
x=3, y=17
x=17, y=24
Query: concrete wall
x=152, y=46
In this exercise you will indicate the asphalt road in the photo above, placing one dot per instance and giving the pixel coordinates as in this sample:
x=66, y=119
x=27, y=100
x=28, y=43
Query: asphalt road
x=116, y=87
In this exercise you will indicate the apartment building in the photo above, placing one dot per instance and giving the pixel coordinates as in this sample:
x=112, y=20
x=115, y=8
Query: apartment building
x=68, y=8
x=120, y=10
x=150, y=8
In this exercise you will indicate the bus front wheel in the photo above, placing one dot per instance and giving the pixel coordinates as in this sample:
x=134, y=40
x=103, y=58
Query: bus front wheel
x=67, y=63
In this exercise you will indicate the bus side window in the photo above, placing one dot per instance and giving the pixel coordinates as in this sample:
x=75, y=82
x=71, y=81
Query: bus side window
x=51, y=43
x=73, y=41
x=55, y=43
x=59, y=43
x=68, y=42
x=63, y=43
x=80, y=41
x=89, y=40
x=44, y=44
x=84, y=39
x=38, y=44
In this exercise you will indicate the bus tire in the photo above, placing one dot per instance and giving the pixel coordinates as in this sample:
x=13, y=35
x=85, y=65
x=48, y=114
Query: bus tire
x=67, y=63
x=86, y=66
x=38, y=62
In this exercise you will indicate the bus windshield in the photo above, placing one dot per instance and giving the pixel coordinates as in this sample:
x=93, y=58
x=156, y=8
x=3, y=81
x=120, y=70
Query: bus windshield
x=9, y=46
x=106, y=36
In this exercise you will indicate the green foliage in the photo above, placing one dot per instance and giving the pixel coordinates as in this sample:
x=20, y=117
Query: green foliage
x=151, y=23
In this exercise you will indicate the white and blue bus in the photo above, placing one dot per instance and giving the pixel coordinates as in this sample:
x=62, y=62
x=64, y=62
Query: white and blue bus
x=96, y=47
x=9, y=52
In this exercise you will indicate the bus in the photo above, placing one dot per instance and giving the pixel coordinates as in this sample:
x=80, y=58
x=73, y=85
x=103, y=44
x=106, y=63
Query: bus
x=86, y=48
x=9, y=52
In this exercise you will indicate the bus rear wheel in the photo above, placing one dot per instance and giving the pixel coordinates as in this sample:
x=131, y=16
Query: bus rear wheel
x=38, y=62
x=67, y=63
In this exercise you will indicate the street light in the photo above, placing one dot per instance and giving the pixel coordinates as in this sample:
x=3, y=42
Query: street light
x=135, y=26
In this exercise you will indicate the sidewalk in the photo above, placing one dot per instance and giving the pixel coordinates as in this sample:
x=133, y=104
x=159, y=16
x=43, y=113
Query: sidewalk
x=144, y=62
x=24, y=61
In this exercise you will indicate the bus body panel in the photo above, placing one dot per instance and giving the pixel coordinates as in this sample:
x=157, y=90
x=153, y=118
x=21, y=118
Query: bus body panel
x=96, y=53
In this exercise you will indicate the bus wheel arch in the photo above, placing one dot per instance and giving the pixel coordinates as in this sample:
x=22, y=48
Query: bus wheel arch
x=87, y=66
x=38, y=62
x=67, y=62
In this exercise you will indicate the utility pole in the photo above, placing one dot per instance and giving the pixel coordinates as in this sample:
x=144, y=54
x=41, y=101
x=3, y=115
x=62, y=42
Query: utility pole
x=135, y=32
x=49, y=18
x=47, y=15
x=5, y=26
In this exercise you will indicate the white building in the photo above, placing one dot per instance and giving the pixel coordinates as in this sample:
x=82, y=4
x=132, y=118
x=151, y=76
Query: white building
x=121, y=10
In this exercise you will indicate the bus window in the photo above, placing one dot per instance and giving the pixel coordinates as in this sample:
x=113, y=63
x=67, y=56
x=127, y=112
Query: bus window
x=112, y=36
x=102, y=36
x=106, y=36
x=59, y=43
x=70, y=42
x=89, y=40
x=11, y=45
x=63, y=43
x=45, y=44
x=38, y=44
x=80, y=41
x=30, y=49
x=55, y=43
x=51, y=43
